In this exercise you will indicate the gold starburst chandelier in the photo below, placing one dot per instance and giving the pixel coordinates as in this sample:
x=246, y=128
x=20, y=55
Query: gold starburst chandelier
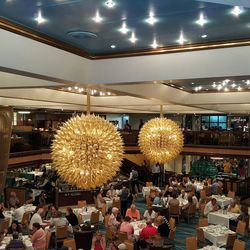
x=87, y=151
x=160, y=140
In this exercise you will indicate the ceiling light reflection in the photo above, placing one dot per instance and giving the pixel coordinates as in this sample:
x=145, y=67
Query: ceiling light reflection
x=133, y=38
x=124, y=29
x=151, y=20
x=40, y=19
x=97, y=17
x=154, y=45
x=237, y=10
x=110, y=3
x=201, y=21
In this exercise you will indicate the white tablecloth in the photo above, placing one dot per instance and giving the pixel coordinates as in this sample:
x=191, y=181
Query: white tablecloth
x=217, y=234
x=26, y=241
x=87, y=214
x=138, y=226
x=109, y=202
x=146, y=190
x=198, y=186
x=222, y=200
x=212, y=248
x=222, y=219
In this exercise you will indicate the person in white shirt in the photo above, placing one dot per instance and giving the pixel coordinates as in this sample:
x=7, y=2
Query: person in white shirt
x=36, y=218
x=149, y=214
x=18, y=213
x=156, y=173
x=211, y=206
x=183, y=195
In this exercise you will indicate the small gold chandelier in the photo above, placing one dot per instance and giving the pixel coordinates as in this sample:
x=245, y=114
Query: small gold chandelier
x=87, y=151
x=160, y=140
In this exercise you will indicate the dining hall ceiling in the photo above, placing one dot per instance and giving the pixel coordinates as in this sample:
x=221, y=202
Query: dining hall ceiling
x=34, y=75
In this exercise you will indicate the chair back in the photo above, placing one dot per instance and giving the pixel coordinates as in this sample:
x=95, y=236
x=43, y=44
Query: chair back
x=106, y=220
x=231, y=194
x=122, y=236
x=208, y=191
x=192, y=209
x=230, y=241
x=48, y=237
x=80, y=220
x=241, y=228
x=81, y=203
x=116, y=203
x=26, y=218
x=174, y=210
x=171, y=235
x=203, y=194
x=149, y=184
x=202, y=208
x=94, y=218
x=4, y=224
x=203, y=222
x=239, y=245
x=83, y=239
x=109, y=234
x=70, y=243
x=172, y=223
x=191, y=243
x=129, y=245
x=200, y=235
x=61, y=232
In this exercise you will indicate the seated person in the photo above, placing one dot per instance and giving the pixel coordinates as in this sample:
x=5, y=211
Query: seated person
x=163, y=226
x=38, y=237
x=133, y=213
x=158, y=199
x=174, y=201
x=113, y=223
x=148, y=231
x=234, y=207
x=36, y=218
x=98, y=241
x=244, y=216
x=149, y=214
x=58, y=221
x=71, y=217
x=111, y=192
x=184, y=209
x=126, y=227
x=211, y=206
x=13, y=201
x=18, y=213
x=99, y=199
x=215, y=186
x=183, y=195
x=15, y=227
x=15, y=243
x=52, y=213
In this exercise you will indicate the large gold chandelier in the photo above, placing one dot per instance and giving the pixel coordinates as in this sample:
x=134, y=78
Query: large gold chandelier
x=87, y=151
x=160, y=140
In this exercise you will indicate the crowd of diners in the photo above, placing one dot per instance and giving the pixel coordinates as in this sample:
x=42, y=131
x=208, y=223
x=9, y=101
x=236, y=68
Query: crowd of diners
x=122, y=219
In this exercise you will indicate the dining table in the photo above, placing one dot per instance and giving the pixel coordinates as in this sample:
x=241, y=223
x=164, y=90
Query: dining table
x=86, y=212
x=221, y=217
x=25, y=238
x=217, y=234
x=222, y=200
x=146, y=190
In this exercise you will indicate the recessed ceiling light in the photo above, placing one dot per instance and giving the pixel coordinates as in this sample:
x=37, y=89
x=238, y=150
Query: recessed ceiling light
x=200, y=87
x=110, y=3
x=196, y=89
x=248, y=82
x=192, y=83
x=181, y=39
x=201, y=21
x=239, y=88
x=23, y=112
x=108, y=93
x=154, y=45
x=172, y=85
x=226, y=89
x=214, y=85
x=204, y=36
x=151, y=20
x=233, y=85
x=181, y=87
x=124, y=29
x=133, y=39
x=69, y=88
x=219, y=87
x=97, y=17
x=40, y=18
x=237, y=10
x=76, y=87
x=112, y=46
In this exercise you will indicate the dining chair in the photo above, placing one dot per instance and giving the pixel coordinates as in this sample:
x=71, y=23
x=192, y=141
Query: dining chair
x=61, y=234
x=239, y=245
x=172, y=223
x=174, y=211
x=241, y=228
x=94, y=217
x=26, y=219
x=122, y=236
x=230, y=241
x=231, y=194
x=191, y=243
x=208, y=191
x=201, y=209
x=106, y=220
x=70, y=244
x=48, y=237
x=129, y=245
x=116, y=203
x=191, y=212
x=203, y=194
x=200, y=236
x=203, y=222
x=81, y=203
x=4, y=225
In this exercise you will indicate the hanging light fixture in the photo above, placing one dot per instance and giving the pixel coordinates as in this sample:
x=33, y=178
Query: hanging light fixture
x=160, y=140
x=87, y=151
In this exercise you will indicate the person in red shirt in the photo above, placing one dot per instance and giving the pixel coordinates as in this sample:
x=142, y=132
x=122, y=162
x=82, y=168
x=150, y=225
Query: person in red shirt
x=148, y=230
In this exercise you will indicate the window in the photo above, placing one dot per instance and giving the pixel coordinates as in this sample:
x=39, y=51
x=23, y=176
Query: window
x=214, y=121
